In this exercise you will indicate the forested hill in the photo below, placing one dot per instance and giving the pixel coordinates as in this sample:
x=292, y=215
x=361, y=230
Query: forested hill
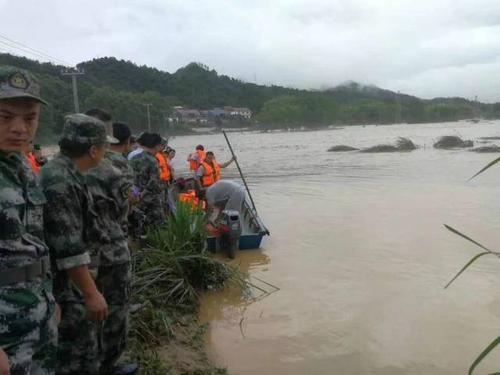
x=123, y=88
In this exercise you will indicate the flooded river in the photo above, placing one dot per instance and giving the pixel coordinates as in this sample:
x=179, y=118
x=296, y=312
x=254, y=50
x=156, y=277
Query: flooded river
x=360, y=255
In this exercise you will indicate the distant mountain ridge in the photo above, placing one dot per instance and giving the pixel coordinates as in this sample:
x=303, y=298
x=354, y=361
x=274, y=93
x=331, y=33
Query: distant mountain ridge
x=123, y=88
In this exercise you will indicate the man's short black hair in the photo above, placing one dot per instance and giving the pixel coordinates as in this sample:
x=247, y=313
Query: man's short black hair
x=121, y=131
x=73, y=150
x=99, y=114
x=200, y=147
x=149, y=140
x=209, y=153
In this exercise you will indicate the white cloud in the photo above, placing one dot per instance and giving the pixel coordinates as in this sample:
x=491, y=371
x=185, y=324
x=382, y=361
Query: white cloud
x=426, y=48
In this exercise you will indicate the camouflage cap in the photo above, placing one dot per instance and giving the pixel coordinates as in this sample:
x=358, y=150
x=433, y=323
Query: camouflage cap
x=18, y=83
x=81, y=128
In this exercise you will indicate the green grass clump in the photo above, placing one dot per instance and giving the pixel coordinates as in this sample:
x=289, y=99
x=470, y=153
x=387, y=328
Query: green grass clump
x=170, y=272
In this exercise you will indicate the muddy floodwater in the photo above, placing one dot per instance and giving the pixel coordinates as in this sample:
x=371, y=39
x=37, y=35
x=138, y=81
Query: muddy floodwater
x=360, y=255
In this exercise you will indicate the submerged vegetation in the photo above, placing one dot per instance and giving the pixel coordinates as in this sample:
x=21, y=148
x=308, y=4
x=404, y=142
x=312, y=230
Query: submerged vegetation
x=451, y=141
x=170, y=273
x=486, y=149
x=342, y=148
x=401, y=145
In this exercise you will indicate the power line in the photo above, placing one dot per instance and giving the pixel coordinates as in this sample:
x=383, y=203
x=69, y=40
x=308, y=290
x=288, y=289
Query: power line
x=35, y=50
x=5, y=44
x=27, y=49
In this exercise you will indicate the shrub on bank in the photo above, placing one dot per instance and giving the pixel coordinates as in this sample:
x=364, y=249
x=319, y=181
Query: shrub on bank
x=169, y=273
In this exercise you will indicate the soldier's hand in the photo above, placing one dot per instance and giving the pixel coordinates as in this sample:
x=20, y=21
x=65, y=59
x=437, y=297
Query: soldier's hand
x=97, y=307
x=4, y=363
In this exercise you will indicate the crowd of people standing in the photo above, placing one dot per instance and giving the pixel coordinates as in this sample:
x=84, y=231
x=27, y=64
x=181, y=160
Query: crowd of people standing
x=65, y=229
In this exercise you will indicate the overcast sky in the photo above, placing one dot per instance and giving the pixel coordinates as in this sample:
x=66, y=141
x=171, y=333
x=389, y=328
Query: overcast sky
x=426, y=48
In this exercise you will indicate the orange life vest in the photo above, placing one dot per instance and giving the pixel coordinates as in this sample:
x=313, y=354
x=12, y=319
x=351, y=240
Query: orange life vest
x=190, y=198
x=211, y=174
x=163, y=167
x=195, y=164
x=33, y=163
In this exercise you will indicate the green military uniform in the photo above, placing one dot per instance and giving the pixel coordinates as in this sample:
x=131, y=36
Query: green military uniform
x=120, y=162
x=110, y=187
x=147, y=179
x=28, y=331
x=70, y=225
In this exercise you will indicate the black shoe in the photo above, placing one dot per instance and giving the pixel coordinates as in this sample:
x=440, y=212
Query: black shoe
x=125, y=369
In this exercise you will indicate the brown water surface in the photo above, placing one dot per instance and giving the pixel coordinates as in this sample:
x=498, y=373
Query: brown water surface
x=360, y=255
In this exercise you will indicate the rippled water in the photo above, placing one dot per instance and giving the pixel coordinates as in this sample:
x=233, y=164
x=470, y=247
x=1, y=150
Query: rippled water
x=360, y=255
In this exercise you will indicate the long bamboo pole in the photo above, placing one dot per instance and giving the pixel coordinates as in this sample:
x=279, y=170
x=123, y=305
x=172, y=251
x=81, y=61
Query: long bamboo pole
x=239, y=170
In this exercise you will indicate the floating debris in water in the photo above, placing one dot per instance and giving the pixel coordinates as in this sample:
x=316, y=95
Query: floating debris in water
x=451, y=142
x=486, y=149
x=342, y=148
x=401, y=145
x=496, y=138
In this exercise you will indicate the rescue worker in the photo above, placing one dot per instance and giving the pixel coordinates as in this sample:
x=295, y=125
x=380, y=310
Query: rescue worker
x=172, y=189
x=170, y=152
x=224, y=195
x=163, y=172
x=147, y=180
x=28, y=332
x=110, y=188
x=209, y=171
x=163, y=169
x=188, y=195
x=70, y=224
x=196, y=158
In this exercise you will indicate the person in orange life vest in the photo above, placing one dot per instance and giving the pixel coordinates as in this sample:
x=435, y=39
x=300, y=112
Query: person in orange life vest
x=196, y=158
x=164, y=170
x=209, y=171
x=30, y=157
x=170, y=152
x=189, y=197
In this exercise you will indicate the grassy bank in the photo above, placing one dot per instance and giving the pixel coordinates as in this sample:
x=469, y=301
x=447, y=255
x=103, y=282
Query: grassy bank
x=170, y=272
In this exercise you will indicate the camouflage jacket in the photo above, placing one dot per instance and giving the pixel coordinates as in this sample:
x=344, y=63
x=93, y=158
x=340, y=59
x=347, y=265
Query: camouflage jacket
x=70, y=224
x=147, y=178
x=110, y=188
x=21, y=243
x=120, y=161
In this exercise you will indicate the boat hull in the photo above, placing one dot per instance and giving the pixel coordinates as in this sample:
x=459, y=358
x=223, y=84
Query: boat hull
x=247, y=242
x=253, y=230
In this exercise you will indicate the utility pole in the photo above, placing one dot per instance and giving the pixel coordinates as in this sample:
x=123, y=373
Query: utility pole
x=148, y=105
x=74, y=73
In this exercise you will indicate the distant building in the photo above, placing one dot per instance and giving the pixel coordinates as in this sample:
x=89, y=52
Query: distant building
x=195, y=116
x=187, y=115
x=238, y=112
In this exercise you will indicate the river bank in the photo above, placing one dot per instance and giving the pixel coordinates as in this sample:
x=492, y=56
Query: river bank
x=170, y=273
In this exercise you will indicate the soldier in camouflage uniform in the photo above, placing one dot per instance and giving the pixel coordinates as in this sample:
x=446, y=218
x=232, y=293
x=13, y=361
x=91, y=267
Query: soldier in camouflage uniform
x=110, y=184
x=70, y=226
x=147, y=178
x=28, y=332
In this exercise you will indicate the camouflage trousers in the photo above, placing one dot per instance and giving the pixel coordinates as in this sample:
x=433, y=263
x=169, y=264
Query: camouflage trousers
x=77, y=351
x=114, y=283
x=28, y=330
